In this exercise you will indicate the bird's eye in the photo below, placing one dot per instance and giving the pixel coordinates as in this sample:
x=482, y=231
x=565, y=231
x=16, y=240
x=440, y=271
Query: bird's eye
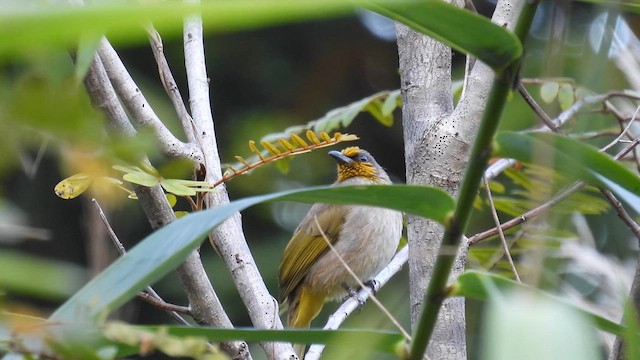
x=362, y=158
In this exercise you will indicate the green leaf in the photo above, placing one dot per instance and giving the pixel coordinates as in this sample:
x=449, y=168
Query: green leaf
x=484, y=286
x=632, y=332
x=549, y=91
x=566, y=96
x=375, y=109
x=283, y=165
x=392, y=102
x=165, y=249
x=47, y=279
x=171, y=199
x=141, y=178
x=34, y=25
x=458, y=28
x=175, y=186
x=572, y=158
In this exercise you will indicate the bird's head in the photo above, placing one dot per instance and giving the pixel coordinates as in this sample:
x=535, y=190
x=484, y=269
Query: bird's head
x=354, y=162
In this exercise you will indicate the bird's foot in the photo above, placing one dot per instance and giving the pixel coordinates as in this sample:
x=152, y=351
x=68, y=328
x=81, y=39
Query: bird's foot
x=373, y=284
x=352, y=293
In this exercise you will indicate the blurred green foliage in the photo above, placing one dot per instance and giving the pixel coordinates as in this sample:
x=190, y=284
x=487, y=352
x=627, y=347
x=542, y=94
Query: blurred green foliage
x=264, y=80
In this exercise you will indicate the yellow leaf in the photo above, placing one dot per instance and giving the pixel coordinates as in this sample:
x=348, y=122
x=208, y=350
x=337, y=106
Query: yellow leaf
x=298, y=140
x=271, y=148
x=73, y=186
x=287, y=145
x=325, y=136
x=312, y=137
x=252, y=146
x=172, y=199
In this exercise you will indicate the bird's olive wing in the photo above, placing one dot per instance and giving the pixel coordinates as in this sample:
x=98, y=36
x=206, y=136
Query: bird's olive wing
x=308, y=244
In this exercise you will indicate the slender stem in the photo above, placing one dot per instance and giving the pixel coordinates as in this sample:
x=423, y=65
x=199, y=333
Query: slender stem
x=478, y=159
x=169, y=84
x=494, y=212
x=526, y=216
x=536, y=108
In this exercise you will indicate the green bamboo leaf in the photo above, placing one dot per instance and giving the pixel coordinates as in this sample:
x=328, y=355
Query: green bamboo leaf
x=462, y=30
x=484, y=286
x=165, y=249
x=573, y=159
x=632, y=333
x=40, y=24
x=47, y=279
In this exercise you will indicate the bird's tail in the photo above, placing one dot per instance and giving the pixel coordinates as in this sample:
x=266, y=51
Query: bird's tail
x=304, y=306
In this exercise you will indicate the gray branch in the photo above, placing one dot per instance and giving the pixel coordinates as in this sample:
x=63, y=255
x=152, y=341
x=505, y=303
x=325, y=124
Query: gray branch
x=228, y=238
x=137, y=104
x=204, y=303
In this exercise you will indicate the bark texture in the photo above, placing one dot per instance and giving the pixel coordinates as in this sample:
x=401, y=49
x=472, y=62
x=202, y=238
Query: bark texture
x=438, y=138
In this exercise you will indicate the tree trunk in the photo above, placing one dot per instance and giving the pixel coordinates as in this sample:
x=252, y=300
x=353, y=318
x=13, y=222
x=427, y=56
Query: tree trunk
x=438, y=139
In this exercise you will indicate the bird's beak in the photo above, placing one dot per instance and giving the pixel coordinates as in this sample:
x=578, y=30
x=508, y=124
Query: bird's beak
x=340, y=158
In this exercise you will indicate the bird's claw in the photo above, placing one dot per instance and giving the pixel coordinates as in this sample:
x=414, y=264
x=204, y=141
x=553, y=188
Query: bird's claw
x=352, y=293
x=373, y=284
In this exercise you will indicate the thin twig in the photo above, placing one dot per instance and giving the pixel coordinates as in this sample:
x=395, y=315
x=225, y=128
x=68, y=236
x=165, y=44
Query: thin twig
x=169, y=84
x=500, y=232
x=527, y=215
x=622, y=213
x=138, y=106
x=150, y=296
x=545, y=206
x=623, y=133
x=536, y=108
x=572, y=111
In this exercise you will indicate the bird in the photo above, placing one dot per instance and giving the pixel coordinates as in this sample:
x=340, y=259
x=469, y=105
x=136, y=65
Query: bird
x=365, y=237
